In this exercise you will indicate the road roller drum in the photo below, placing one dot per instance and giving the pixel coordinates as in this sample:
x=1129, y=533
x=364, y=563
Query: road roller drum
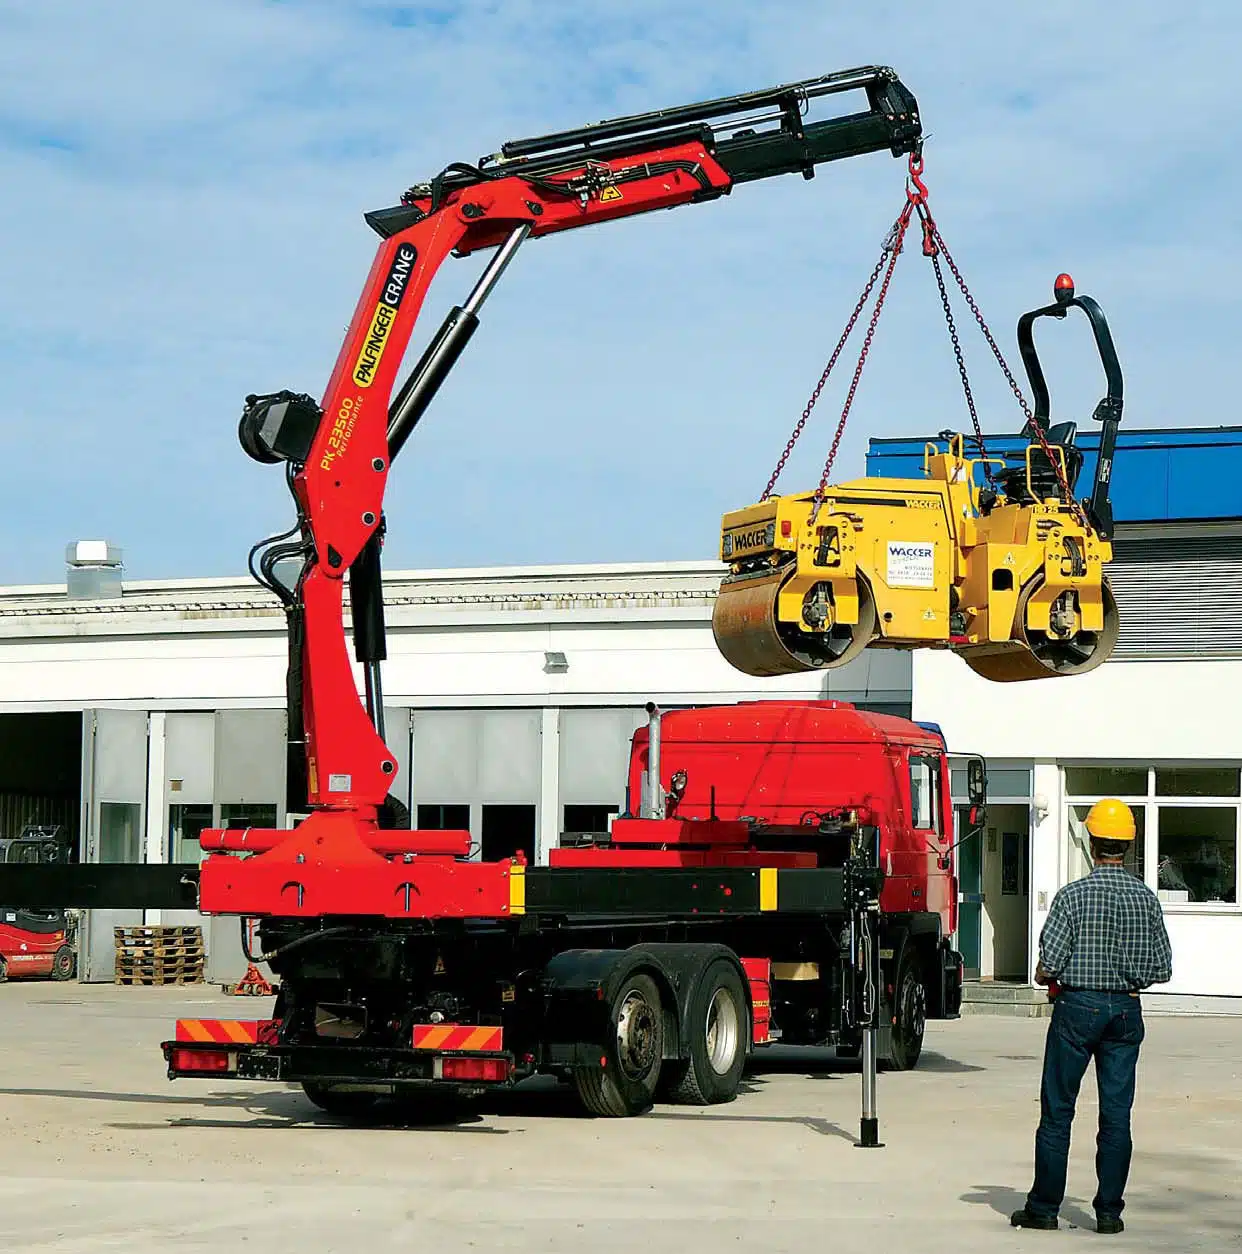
x=754, y=641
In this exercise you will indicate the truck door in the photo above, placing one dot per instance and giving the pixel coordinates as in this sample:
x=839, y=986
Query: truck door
x=927, y=818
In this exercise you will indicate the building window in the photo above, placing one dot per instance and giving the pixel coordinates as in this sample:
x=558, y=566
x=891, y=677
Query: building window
x=440, y=818
x=186, y=823
x=245, y=814
x=1080, y=838
x=1002, y=782
x=588, y=818
x=1196, y=781
x=507, y=830
x=1188, y=819
x=120, y=831
x=1106, y=781
x=1197, y=851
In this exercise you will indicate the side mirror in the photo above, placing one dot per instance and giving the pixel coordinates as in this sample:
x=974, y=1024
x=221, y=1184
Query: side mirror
x=976, y=782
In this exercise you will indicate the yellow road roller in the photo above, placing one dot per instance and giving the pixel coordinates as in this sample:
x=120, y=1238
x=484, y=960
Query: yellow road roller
x=1008, y=572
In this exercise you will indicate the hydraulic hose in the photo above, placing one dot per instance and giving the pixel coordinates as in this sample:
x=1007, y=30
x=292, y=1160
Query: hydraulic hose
x=293, y=944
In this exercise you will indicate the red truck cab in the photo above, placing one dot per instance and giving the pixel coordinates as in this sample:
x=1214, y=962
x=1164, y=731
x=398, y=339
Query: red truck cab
x=788, y=765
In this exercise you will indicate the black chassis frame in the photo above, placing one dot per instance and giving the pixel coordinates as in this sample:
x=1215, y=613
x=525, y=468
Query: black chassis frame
x=562, y=973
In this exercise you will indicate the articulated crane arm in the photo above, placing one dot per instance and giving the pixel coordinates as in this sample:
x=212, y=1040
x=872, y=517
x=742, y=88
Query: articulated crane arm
x=338, y=451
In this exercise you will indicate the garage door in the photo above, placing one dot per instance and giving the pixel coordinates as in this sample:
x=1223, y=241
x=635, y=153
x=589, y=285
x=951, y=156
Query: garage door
x=114, y=789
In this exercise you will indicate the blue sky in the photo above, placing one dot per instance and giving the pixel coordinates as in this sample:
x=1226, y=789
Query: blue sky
x=182, y=224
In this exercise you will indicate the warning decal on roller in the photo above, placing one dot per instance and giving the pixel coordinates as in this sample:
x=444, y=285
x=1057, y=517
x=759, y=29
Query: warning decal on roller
x=911, y=565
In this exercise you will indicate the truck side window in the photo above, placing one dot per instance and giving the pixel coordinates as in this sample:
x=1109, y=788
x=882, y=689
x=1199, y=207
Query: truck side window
x=924, y=793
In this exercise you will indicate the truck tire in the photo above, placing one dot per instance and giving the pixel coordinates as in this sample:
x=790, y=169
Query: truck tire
x=64, y=963
x=718, y=1029
x=626, y=1084
x=909, y=1016
x=333, y=1102
x=4, y=970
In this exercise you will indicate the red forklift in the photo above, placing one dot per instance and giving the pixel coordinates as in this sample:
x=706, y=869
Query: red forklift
x=37, y=942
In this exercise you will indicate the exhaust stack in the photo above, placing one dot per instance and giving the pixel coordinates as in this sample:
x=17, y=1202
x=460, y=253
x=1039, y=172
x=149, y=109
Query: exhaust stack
x=653, y=804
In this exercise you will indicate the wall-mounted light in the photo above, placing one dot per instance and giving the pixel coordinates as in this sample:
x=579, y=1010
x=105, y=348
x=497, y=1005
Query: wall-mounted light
x=1040, y=802
x=555, y=663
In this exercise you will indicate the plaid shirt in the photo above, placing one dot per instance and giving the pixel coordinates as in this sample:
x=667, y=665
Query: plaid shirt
x=1106, y=933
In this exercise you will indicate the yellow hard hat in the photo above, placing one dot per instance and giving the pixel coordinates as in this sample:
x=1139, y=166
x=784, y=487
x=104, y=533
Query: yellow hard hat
x=1111, y=819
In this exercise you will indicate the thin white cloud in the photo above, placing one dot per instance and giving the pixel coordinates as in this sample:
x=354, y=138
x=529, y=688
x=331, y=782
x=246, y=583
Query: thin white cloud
x=184, y=188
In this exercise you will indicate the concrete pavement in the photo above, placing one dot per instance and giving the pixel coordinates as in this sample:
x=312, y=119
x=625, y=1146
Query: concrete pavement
x=100, y=1152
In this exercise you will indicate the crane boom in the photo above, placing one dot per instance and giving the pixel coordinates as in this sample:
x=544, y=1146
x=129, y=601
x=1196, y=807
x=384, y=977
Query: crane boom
x=339, y=450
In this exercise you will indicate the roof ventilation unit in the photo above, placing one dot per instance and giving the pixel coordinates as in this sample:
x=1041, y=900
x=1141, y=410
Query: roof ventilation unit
x=93, y=570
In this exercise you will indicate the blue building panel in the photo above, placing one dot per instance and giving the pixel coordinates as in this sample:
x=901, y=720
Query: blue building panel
x=1176, y=474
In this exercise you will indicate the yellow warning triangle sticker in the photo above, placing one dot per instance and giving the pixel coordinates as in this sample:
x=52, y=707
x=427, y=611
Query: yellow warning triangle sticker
x=610, y=193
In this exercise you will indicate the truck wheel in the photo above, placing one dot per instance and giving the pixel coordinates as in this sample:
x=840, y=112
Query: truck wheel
x=910, y=1018
x=64, y=963
x=4, y=970
x=334, y=1102
x=625, y=1085
x=718, y=1028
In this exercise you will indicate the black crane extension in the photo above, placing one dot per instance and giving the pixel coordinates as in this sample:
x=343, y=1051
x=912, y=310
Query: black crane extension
x=728, y=127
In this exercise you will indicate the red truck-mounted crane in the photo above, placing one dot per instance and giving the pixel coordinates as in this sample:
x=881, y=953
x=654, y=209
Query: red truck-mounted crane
x=637, y=966
x=782, y=870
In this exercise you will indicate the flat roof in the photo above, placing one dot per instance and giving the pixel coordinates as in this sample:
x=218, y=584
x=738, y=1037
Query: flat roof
x=1160, y=474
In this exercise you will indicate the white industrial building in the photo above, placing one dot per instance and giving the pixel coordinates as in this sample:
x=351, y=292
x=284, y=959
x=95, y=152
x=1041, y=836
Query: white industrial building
x=138, y=716
x=510, y=698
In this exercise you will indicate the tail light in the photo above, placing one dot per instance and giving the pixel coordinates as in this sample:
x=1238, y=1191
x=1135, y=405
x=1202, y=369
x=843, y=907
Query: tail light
x=212, y=1060
x=494, y=1070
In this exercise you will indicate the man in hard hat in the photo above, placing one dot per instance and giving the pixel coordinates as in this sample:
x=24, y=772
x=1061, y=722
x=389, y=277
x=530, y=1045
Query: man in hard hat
x=1104, y=941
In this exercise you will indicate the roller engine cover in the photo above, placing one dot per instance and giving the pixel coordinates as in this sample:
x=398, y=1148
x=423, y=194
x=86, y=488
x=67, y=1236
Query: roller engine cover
x=279, y=427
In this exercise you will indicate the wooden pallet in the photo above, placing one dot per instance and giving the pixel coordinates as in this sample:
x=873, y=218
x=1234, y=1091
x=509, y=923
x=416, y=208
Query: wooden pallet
x=147, y=952
x=158, y=933
x=194, y=978
x=159, y=968
x=159, y=954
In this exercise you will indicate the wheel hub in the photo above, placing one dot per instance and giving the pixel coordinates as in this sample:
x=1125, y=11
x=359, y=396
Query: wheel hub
x=914, y=1010
x=722, y=1031
x=637, y=1036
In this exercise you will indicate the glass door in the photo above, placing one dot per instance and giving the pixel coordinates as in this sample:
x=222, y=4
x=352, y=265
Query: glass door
x=970, y=894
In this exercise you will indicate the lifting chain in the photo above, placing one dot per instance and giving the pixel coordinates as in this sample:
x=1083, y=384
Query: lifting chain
x=933, y=248
x=892, y=250
x=1066, y=492
x=832, y=361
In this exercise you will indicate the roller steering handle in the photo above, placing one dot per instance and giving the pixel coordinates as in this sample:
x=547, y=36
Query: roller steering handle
x=1110, y=406
x=1107, y=412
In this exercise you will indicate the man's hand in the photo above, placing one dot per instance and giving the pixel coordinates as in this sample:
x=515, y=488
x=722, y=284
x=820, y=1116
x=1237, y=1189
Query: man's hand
x=1042, y=976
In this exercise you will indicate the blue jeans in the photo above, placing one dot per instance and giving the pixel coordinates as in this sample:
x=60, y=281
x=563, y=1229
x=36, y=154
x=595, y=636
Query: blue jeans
x=1109, y=1028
